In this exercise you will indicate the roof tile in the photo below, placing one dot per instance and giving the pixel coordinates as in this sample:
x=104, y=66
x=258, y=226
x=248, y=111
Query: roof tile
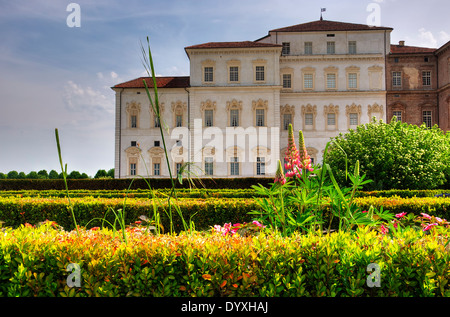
x=402, y=49
x=161, y=82
x=325, y=25
x=243, y=44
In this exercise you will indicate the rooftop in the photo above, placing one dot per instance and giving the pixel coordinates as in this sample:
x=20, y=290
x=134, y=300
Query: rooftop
x=325, y=25
x=243, y=44
x=161, y=82
x=401, y=48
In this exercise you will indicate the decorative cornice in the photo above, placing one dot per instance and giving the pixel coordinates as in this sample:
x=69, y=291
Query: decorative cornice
x=333, y=57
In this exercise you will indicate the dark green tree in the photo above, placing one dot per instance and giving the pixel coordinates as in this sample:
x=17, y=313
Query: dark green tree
x=100, y=173
x=53, y=174
x=13, y=175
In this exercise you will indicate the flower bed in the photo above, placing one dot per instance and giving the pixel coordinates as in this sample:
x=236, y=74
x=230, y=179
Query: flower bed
x=34, y=262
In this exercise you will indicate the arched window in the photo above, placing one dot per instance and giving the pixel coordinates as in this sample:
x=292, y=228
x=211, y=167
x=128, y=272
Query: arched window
x=133, y=113
x=179, y=110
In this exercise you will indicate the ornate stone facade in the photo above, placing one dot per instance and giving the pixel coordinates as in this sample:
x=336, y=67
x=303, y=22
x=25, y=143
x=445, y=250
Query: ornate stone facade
x=230, y=116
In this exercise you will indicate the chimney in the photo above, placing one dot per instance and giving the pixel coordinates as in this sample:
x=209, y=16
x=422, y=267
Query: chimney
x=401, y=43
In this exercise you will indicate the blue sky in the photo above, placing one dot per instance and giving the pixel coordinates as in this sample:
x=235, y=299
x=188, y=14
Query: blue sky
x=54, y=76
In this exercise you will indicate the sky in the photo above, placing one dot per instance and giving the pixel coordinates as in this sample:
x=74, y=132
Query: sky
x=57, y=75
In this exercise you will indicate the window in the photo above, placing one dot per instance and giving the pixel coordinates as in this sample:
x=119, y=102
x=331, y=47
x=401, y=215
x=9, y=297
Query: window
x=157, y=123
x=287, y=119
x=134, y=121
x=308, y=81
x=133, y=143
x=396, y=79
x=209, y=118
x=308, y=119
x=353, y=118
x=286, y=50
x=331, y=119
x=209, y=166
x=179, y=109
x=179, y=120
x=287, y=81
x=308, y=48
x=352, y=47
x=352, y=81
x=398, y=115
x=259, y=73
x=234, y=73
x=178, y=167
x=157, y=169
x=234, y=117
x=209, y=74
x=426, y=78
x=330, y=48
x=156, y=143
x=132, y=169
x=259, y=117
x=331, y=81
x=260, y=166
x=234, y=166
x=427, y=118
x=133, y=111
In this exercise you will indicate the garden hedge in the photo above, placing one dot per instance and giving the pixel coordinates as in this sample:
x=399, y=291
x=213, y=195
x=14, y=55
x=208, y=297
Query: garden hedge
x=34, y=262
x=125, y=183
x=204, y=213
x=198, y=193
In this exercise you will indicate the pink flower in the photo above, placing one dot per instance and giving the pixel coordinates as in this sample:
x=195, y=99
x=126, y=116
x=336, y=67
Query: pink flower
x=428, y=227
x=258, y=224
x=224, y=230
x=426, y=215
x=279, y=175
x=384, y=230
x=400, y=215
x=364, y=211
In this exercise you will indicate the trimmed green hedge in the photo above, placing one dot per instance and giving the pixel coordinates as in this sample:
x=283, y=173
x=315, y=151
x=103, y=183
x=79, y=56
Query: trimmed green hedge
x=204, y=213
x=34, y=262
x=125, y=183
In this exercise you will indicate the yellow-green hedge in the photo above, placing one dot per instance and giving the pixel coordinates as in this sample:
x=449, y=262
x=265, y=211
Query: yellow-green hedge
x=33, y=262
x=204, y=213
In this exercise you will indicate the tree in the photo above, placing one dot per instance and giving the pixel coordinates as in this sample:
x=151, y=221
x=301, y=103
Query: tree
x=2, y=176
x=53, y=174
x=74, y=175
x=43, y=174
x=100, y=173
x=32, y=175
x=395, y=155
x=13, y=175
x=111, y=173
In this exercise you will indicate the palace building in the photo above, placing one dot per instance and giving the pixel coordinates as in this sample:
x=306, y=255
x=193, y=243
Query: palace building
x=229, y=118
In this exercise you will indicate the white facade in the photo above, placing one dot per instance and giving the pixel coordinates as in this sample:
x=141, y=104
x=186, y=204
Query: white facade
x=241, y=96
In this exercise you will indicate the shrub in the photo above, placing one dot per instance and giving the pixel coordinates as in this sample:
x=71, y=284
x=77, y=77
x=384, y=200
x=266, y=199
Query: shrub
x=204, y=213
x=33, y=262
x=394, y=155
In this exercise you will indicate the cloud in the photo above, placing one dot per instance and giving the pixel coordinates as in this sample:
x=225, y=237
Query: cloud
x=426, y=38
x=86, y=99
x=444, y=37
